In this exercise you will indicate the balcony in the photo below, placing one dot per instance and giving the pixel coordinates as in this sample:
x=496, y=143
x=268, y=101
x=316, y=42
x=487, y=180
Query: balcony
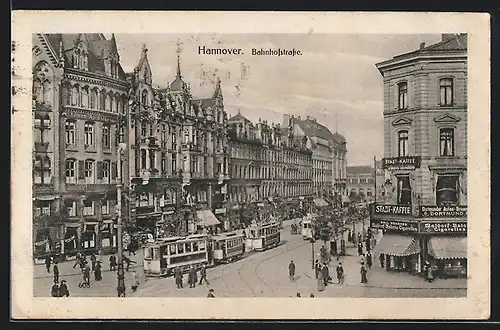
x=41, y=147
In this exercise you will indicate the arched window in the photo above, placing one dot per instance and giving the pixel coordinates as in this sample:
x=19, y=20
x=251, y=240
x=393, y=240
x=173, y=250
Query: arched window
x=446, y=142
x=76, y=58
x=42, y=74
x=93, y=98
x=38, y=90
x=66, y=95
x=119, y=105
x=102, y=99
x=85, y=97
x=108, y=102
x=403, y=143
x=403, y=95
x=75, y=96
x=144, y=98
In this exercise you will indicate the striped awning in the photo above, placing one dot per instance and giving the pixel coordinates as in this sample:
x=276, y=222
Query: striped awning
x=454, y=247
x=397, y=245
x=320, y=202
x=207, y=218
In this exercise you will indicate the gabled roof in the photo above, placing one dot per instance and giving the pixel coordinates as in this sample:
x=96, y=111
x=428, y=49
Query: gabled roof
x=238, y=117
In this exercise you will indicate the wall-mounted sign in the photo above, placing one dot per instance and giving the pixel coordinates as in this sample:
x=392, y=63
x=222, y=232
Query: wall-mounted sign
x=401, y=163
x=392, y=209
x=220, y=211
x=434, y=227
x=399, y=226
x=443, y=211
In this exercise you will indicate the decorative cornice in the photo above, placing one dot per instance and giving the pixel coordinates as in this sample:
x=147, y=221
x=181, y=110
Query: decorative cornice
x=96, y=79
x=402, y=121
x=90, y=114
x=447, y=118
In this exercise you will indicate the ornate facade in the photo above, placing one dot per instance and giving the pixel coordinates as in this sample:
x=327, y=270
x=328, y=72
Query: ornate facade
x=178, y=154
x=79, y=103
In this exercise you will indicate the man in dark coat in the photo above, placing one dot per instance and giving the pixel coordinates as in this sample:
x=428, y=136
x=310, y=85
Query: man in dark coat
x=291, y=270
x=93, y=259
x=192, y=277
x=48, y=261
x=381, y=258
x=98, y=271
x=367, y=244
x=63, y=289
x=112, y=262
x=369, y=259
x=178, y=278
x=56, y=272
x=203, y=274
x=360, y=248
x=54, y=292
x=340, y=273
x=363, y=272
x=326, y=273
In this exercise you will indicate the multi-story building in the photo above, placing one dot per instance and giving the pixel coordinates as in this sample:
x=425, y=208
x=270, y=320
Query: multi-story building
x=425, y=147
x=79, y=99
x=362, y=183
x=268, y=164
x=329, y=157
x=178, y=154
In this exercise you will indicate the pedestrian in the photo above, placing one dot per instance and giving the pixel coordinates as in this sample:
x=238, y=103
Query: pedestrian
x=203, y=274
x=291, y=270
x=48, y=261
x=98, y=271
x=320, y=282
x=311, y=295
x=54, y=292
x=360, y=248
x=178, y=277
x=192, y=277
x=83, y=262
x=340, y=273
x=381, y=258
x=135, y=281
x=92, y=261
x=429, y=272
x=367, y=244
x=363, y=272
x=317, y=268
x=128, y=262
x=63, y=289
x=369, y=259
x=56, y=272
x=86, y=276
x=325, y=274
x=360, y=239
x=112, y=262
x=77, y=260
x=323, y=254
x=211, y=293
x=362, y=258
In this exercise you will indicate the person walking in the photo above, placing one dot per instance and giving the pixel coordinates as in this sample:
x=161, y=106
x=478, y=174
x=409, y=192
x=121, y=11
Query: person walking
x=77, y=260
x=360, y=248
x=367, y=244
x=429, y=273
x=92, y=261
x=203, y=274
x=340, y=273
x=291, y=270
x=48, y=261
x=211, y=293
x=83, y=262
x=360, y=239
x=323, y=254
x=55, y=271
x=86, y=276
x=112, y=262
x=192, y=278
x=363, y=272
x=381, y=258
x=369, y=259
x=135, y=281
x=98, y=271
x=54, y=292
x=178, y=277
x=128, y=262
x=63, y=289
x=317, y=268
x=325, y=272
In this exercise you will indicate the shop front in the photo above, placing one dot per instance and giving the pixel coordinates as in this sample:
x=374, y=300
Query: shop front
x=88, y=238
x=108, y=235
x=70, y=246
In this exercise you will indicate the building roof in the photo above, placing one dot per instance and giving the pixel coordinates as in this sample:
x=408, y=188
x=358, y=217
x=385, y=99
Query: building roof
x=339, y=138
x=359, y=170
x=312, y=128
x=239, y=117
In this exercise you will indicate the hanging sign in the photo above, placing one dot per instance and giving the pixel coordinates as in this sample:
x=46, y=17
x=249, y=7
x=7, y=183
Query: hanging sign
x=45, y=241
x=443, y=211
x=69, y=240
x=401, y=163
x=391, y=225
x=434, y=227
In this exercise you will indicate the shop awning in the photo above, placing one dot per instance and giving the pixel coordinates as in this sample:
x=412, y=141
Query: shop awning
x=454, y=247
x=397, y=245
x=320, y=202
x=45, y=198
x=207, y=218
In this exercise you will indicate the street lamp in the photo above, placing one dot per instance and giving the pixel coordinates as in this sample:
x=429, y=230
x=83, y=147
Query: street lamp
x=121, y=274
x=312, y=250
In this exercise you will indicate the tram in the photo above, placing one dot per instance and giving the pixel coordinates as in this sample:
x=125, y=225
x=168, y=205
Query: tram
x=227, y=247
x=165, y=254
x=264, y=236
x=306, y=228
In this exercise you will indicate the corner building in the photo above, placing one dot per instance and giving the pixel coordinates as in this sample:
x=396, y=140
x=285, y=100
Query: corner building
x=424, y=214
x=79, y=102
x=178, y=155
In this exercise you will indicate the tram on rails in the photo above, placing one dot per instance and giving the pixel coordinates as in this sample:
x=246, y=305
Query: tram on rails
x=262, y=236
x=227, y=247
x=166, y=254
x=306, y=228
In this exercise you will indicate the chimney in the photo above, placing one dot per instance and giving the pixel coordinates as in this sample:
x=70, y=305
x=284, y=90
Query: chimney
x=447, y=36
x=422, y=45
x=286, y=120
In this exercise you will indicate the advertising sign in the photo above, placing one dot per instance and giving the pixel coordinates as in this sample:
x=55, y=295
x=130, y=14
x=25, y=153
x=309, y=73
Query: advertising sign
x=443, y=211
x=440, y=227
x=392, y=209
x=399, y=226
x=401, y=163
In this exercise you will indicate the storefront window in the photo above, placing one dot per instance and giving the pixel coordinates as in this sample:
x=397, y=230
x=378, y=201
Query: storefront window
x=447, y=190
x=404, y=190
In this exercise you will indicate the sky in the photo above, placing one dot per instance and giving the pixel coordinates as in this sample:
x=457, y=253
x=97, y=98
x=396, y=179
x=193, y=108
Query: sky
x=335, y=80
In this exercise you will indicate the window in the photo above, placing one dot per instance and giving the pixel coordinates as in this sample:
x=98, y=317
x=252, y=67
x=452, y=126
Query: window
x=93, y=99
x=151, y=129
x=88, y=207
x=402, y=95
x=70, y=132
x=71, y=209
x=174, y=163
x=404, y=190
x=89, y=134
x=163, y=164
x=403, y=143
x=106, y=171
x=174, y=140
x=106, y=135
x=143, y=159
x=89, y=171
x=447, y=190
x=205, y=165
x=108, y=102
x=70, y=171
x=152, y=159
x=85, y=97
x=446, y=139
x=446, y=91
x=144, y=98
x=43, y=208
x=75, y=96
x=105, y=207
x=144, y=128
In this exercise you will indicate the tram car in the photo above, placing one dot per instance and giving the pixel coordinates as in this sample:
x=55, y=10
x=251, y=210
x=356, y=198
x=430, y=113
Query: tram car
x=166, y=254
x=306, y=228
x=260, y=237
x=227, y=247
